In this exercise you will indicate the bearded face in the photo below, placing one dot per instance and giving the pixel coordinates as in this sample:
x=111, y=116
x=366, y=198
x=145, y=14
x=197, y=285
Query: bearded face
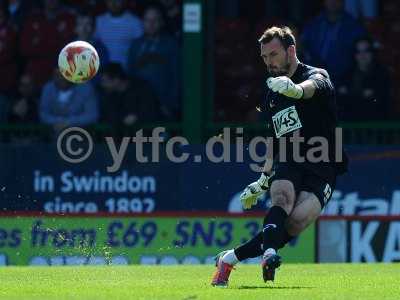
x=276, y=58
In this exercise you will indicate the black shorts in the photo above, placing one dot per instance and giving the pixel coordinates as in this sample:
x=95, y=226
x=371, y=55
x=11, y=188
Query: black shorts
x=305, y=179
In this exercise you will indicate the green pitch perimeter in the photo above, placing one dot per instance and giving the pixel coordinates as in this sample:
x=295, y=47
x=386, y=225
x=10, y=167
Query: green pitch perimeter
x=308, y=281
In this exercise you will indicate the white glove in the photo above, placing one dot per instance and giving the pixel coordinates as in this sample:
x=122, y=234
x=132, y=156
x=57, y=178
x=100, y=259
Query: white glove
x=285, y=86
x=253, y=191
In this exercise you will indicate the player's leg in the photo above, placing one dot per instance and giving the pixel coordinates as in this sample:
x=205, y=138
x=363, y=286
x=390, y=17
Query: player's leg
x=254, y=247
x=316, y=192
x=305, y=212
x=274, y=235
x=226, y=260
x=223, y=271
x=307, y=208
x=297, y=221
x=283, y=196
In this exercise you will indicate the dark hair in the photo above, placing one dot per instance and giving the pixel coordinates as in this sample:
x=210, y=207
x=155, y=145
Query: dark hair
x=284, y=34
x=114, y=70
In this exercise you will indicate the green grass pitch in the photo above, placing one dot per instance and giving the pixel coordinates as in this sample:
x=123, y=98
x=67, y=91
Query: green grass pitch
x=293, y=281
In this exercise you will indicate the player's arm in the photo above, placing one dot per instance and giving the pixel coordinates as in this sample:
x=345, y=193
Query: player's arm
x=309, y=88
x=317, y=83
x=268, y=166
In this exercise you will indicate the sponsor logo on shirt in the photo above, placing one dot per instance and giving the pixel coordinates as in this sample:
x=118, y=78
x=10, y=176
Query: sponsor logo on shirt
x=286, y=121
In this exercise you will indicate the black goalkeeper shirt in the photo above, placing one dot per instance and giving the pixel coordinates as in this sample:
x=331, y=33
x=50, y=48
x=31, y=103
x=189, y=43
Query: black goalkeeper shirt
x=310, y=119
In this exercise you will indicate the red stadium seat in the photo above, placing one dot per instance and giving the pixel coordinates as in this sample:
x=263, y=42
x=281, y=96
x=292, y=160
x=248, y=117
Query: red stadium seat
x=231, y=30
x=41, y=39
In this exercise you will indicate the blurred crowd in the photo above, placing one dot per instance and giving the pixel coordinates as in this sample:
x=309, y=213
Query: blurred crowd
x=355, y=40
x=138, y=44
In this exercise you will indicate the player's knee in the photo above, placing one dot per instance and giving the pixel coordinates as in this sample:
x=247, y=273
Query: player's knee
x=281, y=198
x=295, y=226
x=282, y=194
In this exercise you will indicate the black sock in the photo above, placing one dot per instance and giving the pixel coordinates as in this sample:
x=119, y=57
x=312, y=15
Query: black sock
x=286, y=239
x=253, y=248
x=274, y=227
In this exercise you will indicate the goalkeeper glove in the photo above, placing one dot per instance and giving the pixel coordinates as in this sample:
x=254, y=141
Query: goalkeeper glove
x=253, y=191
x=285, y=86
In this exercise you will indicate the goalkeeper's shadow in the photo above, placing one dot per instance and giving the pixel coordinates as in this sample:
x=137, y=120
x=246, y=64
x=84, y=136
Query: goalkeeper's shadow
x=247, y=287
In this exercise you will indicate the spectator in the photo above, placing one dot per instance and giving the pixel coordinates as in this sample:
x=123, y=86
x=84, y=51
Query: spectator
x=18, y=9
x=154, y=58
x=173, y=17
x=63, y=104
x=328, y=40
x=84, y=32
x=24, y=107
x=8, y=47
x=366, y=94
x=367, y=9
x=43, y=35
x=116, y=29
x=126, y=101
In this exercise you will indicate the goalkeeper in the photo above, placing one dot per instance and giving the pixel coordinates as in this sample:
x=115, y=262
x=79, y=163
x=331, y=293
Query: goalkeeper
x=300, y=103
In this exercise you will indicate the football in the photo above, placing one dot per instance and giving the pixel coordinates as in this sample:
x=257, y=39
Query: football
x=78, y=62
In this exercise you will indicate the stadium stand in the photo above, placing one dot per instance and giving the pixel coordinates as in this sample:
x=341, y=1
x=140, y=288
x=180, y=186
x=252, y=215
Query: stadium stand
x=237, y=73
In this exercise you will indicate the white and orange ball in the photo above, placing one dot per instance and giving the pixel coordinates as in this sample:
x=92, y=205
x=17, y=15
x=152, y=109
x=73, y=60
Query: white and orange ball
x=78, y=62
